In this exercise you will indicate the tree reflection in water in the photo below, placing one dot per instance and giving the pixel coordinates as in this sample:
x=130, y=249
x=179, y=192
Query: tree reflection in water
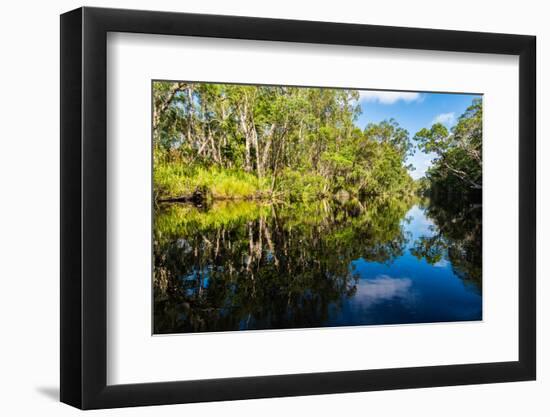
x=457, y=237
x=250, y=265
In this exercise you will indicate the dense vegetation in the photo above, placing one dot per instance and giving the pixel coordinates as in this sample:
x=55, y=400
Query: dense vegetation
x=456, y=169
x=272, y=142
x=453, y=187
x=283, y=194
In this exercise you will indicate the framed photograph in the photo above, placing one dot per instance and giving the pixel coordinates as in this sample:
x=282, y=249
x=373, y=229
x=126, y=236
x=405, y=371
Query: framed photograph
x=257, y=208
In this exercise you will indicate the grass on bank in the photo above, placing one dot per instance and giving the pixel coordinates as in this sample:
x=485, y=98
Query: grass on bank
x=173, y=180
x=176, y=180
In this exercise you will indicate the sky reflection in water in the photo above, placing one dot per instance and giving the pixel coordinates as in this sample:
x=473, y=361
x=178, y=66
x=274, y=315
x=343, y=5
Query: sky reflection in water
x=408, y=290
x=217, y=289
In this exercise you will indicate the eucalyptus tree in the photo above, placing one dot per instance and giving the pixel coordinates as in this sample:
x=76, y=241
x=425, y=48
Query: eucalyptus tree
x=458, y=152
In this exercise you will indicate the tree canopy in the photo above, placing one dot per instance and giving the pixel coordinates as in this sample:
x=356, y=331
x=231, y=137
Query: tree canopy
x=458, y=153
x=285, y=138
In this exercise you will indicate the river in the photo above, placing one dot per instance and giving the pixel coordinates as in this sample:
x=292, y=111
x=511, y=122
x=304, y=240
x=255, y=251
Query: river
x=251, y=266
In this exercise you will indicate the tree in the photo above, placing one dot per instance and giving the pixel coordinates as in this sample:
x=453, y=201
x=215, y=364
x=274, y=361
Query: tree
x=389, y=132
x=276, y=134
x=458, y=162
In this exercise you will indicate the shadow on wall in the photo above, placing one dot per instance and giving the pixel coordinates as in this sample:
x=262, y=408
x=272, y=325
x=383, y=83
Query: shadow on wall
x=50, y=392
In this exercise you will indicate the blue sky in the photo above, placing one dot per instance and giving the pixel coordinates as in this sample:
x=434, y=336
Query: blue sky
x=413, y=111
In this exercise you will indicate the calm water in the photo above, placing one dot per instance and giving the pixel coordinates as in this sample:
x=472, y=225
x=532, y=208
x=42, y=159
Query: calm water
x=240, y=266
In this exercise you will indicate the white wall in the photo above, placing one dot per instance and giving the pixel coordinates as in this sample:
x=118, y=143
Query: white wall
x=29, y=175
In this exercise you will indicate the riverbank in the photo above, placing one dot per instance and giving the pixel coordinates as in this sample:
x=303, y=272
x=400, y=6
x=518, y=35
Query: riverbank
x=175, y=182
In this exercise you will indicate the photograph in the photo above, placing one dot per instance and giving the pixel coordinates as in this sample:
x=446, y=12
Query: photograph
x=267, y=209
x=291, y=207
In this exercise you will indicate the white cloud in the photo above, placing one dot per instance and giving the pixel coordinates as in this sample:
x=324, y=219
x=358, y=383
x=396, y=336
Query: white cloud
x=389, y=97
x=447, y=119
x=381, y=288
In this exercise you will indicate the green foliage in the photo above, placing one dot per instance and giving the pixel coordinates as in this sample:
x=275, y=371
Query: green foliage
x=436, y=139
x=453, y=185
x=173, y=179
x=422, y=187
x=299, y=187
x=295, y=144
x=458, y=164
x=389, y=132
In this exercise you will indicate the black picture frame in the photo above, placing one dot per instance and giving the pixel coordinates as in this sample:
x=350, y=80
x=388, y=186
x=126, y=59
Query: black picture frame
x=84, y=207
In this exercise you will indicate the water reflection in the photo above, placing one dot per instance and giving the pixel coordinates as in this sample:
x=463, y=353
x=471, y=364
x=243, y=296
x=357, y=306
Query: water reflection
x=247, y=265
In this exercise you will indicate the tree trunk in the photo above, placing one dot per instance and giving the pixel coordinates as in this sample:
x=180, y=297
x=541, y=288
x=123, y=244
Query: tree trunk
x=246, y=133
x=161, y=107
